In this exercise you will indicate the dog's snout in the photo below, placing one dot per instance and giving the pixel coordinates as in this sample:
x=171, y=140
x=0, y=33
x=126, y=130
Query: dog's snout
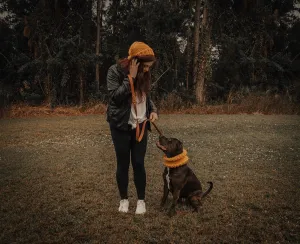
x=162, y=138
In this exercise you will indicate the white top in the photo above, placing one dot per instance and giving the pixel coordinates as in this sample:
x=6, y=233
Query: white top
x=141, y=112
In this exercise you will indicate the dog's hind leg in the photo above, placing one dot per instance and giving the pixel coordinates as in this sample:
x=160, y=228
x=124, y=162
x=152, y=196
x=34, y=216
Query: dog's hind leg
x=195, y=200
x=196, y=203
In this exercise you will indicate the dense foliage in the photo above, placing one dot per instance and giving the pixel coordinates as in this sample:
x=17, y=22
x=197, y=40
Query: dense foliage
x=249, y=46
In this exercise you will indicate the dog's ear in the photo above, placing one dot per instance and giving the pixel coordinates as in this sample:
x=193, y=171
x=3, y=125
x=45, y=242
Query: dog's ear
x=179, y=146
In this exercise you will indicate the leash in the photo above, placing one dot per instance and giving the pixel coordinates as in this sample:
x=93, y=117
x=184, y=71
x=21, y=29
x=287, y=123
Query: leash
x=139, y=134
x=168, y=178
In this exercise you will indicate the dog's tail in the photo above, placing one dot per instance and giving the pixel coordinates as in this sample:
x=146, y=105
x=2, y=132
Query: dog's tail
x=208, y=190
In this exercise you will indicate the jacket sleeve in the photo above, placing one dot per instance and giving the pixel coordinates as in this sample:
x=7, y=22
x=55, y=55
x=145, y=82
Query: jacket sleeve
x=152, y=106
x=118, y=92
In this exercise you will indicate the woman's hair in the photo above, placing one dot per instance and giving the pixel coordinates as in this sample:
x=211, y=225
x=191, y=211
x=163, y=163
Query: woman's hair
x=143, y=79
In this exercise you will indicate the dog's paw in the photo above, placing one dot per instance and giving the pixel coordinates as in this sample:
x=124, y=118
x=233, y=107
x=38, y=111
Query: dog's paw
x=198, y=210
x=162, y=208
x=171, y=212
x=162, y=204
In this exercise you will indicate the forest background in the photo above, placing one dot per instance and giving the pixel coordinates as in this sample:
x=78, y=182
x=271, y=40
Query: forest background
x=218, y=56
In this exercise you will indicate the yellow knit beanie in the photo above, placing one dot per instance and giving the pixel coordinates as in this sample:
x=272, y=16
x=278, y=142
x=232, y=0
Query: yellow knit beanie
x=139, y=49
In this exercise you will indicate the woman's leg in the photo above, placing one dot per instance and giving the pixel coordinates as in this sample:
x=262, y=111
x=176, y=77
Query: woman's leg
x=121, y=141
x=138, y=152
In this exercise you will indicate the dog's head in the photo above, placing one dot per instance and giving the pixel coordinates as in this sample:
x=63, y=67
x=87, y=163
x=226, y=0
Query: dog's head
x=170, y=146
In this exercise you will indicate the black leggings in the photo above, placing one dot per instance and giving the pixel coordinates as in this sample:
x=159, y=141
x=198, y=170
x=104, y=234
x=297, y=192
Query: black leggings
x=125, y=146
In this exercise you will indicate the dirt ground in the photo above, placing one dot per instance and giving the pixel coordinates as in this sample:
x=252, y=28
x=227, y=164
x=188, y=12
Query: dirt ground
x=57, y=181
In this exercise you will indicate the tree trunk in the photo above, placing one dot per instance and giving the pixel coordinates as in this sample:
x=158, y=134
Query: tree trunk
x=188, y=57
x=139, y=3
x=205, y=54
x=86, y=32
x=196, y=39
x=174, y=4
x=176, y=65
x=47, y=89
x=245, y=5
x=81, y=98
x=200, y=86
x=98, y=42
x=114, y=14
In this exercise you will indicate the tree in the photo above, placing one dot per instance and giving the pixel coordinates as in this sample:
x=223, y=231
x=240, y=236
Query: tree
x=98, y=42
x=204, y=57
x=197, y=22
x=239, y=45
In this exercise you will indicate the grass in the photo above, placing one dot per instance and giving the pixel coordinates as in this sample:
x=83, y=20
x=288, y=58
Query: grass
x=57, y=181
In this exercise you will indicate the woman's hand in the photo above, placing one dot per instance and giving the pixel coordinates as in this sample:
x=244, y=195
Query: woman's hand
x=133, y=68
x=153, y=117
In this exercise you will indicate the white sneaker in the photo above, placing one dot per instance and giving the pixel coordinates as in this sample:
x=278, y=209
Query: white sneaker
x=124, y=205
x=140, y=207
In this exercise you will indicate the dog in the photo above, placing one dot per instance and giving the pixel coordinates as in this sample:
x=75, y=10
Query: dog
x=178, y=178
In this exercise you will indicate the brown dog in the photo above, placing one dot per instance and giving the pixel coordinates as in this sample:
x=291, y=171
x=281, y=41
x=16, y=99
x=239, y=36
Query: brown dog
x=178, y=178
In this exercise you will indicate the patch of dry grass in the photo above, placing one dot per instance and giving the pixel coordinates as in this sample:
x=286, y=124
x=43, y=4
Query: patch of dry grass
x=173, y=104
x=57, y=181
x=250, y=104
x=23, y=110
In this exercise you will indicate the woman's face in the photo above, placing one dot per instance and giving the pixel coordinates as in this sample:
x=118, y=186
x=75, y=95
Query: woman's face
x=147, y=66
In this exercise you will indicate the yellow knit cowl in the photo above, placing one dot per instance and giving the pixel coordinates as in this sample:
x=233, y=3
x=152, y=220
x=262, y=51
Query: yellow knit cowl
x=176, y=161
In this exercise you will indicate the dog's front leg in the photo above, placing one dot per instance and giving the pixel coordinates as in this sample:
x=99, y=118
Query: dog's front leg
x=165, y=191
x=165, y=196
x=172, y=210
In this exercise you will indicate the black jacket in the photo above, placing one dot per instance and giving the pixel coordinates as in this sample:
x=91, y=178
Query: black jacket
x=119, y=105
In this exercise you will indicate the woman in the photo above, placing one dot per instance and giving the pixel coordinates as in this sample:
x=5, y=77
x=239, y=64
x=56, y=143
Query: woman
x=126, y=118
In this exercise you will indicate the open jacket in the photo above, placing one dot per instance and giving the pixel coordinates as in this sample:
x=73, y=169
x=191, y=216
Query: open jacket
x=119, y=105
